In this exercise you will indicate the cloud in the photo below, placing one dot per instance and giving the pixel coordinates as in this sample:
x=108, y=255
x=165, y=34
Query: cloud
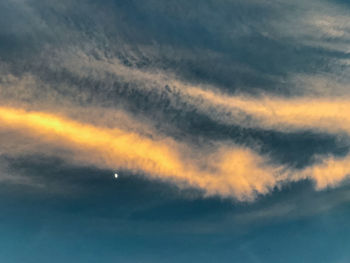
x=227, y=171
x=107, y=87
x=8, y=176
x=278, y=113
x=266, y=111
x=112, y=138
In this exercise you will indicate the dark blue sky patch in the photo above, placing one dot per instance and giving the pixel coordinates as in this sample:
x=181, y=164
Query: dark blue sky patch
x=95, y=227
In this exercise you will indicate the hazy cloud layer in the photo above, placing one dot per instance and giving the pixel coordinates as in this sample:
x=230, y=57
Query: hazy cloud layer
x=230, y=97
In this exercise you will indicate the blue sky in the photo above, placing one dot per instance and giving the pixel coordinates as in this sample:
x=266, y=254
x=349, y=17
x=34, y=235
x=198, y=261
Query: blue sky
x=226, y=120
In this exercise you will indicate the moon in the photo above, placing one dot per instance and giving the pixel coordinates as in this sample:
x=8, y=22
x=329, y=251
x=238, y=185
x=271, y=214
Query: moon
x=116, y=175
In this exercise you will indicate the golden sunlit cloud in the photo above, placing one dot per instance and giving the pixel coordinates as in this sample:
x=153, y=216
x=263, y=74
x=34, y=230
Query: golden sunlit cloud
x=324, y=114
x=229, y=171
x=235, y=172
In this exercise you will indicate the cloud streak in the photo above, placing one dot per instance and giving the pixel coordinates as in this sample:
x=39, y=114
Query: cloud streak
x=328, y=114
x=229, y=171
x=116, y=96
x=285, y=114
x=267, y=111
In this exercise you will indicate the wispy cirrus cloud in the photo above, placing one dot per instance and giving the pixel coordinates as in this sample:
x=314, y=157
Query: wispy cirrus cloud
x=227, y=171
x=111, y=94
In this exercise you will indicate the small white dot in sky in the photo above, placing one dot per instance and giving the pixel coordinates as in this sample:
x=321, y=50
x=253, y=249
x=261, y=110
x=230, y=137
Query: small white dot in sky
x=115, y=175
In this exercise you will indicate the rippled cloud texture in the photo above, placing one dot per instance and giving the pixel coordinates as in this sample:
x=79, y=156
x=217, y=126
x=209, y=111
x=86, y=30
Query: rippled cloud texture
x=234, y=98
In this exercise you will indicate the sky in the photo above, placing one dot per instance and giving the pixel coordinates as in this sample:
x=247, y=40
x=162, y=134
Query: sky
x=227, y=122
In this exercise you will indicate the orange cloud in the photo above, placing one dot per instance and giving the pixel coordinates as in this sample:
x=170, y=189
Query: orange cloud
x=329, y=173
x=229, y=171
x=327, y=114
